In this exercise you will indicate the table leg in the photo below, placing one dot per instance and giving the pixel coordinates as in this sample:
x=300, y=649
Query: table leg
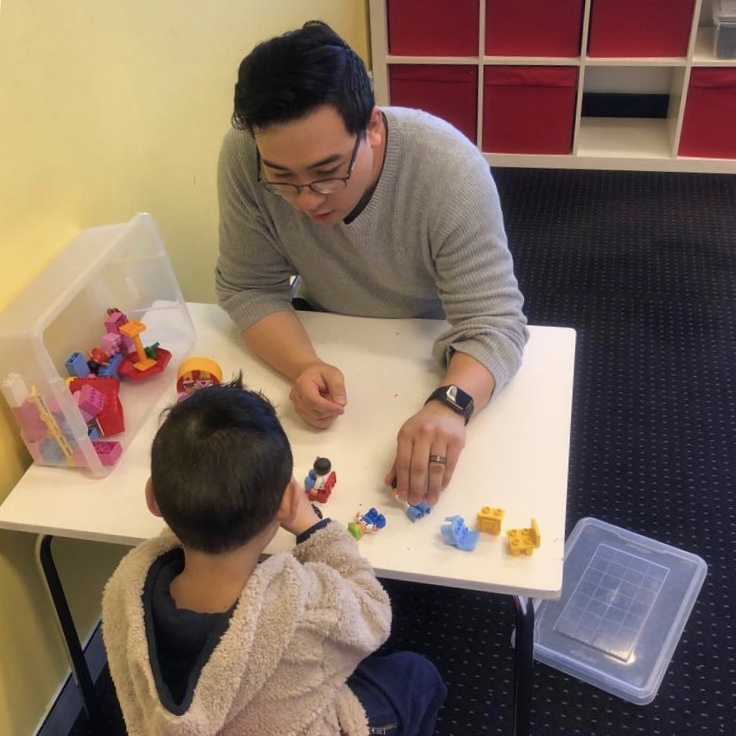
x=523, y=662
x=73, y=645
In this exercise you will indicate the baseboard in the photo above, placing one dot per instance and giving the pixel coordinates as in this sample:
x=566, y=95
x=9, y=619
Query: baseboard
x=66, y=705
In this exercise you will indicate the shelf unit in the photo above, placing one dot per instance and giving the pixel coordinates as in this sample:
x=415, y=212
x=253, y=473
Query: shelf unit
x=623, y=143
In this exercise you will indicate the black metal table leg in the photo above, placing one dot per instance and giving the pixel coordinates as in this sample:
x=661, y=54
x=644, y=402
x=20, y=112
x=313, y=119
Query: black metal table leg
x=523, y=662
x=73, y=645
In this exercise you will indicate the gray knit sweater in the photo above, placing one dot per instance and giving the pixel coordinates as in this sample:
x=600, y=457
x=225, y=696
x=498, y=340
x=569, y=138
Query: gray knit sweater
x=301, y=626
x=430, y=243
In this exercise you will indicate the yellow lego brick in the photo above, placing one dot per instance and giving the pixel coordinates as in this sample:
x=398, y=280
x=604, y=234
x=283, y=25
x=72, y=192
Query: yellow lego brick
x=524, y=541
x=489, y=520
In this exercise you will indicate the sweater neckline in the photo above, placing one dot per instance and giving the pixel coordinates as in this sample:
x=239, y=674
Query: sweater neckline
x=366, y=198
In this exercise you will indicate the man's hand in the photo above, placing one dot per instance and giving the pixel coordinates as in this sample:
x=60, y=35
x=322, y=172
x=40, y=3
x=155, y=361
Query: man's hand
x=318, y=388
x=433, y=433
x=319, y=395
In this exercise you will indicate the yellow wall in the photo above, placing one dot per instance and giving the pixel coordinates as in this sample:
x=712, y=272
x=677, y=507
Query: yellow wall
x=107, y=109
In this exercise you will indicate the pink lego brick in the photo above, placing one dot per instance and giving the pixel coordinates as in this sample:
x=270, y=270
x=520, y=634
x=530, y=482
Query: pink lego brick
x=109, y=451
x=90, y=402
x=114, y=321
x=30, y=422
x=112, y=343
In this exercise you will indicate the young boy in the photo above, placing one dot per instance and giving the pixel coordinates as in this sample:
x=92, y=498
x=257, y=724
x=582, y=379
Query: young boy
x=205, y=640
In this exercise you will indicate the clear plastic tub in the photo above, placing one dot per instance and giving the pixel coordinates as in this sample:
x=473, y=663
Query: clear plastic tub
x=62, y=312
x=625, y=601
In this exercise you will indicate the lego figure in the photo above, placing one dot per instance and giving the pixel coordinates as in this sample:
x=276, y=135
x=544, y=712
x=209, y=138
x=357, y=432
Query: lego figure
x=320, y=480
x=458, y=535
x=415, y=513
x=196, y=373
x=367, y=523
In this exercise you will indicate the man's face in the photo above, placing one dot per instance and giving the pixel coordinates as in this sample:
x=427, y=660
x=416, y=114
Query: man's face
x=319, y=147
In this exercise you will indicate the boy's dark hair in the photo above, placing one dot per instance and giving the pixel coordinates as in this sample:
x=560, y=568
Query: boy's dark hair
x=287, y=77
x=220, y=463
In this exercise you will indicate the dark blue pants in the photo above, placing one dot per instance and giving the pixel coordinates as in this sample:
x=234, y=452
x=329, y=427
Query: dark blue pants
x=401, y=693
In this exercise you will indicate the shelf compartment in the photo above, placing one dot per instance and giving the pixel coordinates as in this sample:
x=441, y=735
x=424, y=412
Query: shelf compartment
x=640, y=28
x=529, y=109
x=554, y=31
x=433, y=27
x=703, y=53
x=620, y=90
x=710, y=114
x=624, y=138
x=447, y=91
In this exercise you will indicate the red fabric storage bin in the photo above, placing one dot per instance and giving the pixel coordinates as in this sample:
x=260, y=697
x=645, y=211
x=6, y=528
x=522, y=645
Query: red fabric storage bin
x=433, y=27
x=533, y=27
x=529, y=109
x=709, y=124
x=640, y=27
x=449, y=92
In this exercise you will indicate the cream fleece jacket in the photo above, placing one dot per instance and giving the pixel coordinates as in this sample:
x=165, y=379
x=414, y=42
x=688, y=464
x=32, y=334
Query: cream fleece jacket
x=301, y=626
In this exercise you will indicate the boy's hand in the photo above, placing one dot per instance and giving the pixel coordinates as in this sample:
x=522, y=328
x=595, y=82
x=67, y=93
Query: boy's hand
x=303, y=516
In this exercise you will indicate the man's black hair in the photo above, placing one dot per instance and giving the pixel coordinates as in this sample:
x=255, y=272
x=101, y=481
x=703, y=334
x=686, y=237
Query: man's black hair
x=288, y=77
x=220, y=463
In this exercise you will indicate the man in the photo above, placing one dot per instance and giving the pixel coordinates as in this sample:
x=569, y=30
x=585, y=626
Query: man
x=378, y=213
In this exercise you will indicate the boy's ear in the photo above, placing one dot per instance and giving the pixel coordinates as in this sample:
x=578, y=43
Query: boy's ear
x=151, y=500
x=289, y=501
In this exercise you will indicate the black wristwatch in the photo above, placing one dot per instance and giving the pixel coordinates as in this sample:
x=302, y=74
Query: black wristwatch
x=455, y=398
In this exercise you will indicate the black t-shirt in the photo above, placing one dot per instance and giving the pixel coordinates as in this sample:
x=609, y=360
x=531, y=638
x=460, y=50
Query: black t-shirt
x=183, y=640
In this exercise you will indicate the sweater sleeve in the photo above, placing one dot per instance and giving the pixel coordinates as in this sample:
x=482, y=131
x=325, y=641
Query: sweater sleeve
x=252, y=277
x=346, y=602
x=474, y=272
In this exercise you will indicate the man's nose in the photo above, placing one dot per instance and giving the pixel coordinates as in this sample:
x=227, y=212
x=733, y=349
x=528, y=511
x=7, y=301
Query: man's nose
x=309, y=199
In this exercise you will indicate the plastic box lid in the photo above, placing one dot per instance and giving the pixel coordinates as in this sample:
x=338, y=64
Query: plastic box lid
x=625, y=601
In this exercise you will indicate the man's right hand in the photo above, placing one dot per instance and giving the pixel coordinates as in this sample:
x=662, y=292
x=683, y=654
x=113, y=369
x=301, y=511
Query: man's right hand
x=319, y=395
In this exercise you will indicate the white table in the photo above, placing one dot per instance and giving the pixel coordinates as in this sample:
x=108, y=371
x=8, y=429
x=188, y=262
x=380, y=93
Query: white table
x=516, y=458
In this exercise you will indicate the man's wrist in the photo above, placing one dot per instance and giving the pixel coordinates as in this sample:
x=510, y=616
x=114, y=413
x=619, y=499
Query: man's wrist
x=455, y=399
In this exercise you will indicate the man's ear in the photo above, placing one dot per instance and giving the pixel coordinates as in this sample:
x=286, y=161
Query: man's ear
x=375, y=127
x=151, y=499
x=289, y=501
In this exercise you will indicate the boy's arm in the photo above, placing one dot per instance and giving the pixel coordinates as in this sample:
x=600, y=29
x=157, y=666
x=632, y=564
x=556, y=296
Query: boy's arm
x=345, y=600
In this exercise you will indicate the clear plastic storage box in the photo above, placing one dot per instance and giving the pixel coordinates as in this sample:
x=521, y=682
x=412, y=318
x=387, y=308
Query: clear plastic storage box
x=625, y=601
x=724, y=36
x=49, y=330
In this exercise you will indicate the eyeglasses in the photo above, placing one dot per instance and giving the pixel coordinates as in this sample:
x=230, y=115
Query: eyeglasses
x=321, y=186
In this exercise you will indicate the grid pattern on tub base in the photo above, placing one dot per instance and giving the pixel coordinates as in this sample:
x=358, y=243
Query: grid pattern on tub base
x=612, y=601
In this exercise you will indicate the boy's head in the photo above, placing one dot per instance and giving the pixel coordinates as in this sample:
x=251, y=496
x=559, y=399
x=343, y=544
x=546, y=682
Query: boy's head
x=288, y=77
x=220, y=464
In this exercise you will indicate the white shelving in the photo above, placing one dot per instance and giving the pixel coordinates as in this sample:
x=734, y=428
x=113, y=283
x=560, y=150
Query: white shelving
x=598, y=143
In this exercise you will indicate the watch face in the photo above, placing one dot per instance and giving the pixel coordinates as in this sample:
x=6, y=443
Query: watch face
x=455, y=398
x=459, y=397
